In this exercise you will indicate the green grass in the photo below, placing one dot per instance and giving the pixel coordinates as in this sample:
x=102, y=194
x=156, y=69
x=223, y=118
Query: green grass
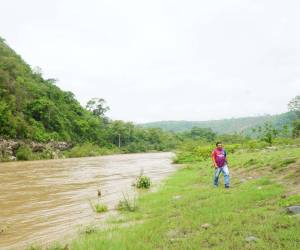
x=101, y=208
x=172, y=217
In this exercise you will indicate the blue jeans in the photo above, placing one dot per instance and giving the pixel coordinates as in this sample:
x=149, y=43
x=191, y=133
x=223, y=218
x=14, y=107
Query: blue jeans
x=225, y=172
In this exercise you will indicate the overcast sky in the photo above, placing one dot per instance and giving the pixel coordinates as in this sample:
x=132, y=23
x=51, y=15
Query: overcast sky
x=164, y=60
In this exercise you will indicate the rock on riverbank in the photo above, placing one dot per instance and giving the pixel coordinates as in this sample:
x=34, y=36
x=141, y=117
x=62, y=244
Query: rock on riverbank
x=9, y=148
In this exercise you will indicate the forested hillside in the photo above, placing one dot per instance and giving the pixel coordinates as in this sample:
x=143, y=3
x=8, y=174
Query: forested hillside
x=234, y=125
x=34, y=108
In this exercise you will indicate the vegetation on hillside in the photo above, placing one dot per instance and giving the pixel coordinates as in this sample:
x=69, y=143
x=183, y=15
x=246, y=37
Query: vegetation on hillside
x=226, y=126
x=294, y=106
x=35, y=108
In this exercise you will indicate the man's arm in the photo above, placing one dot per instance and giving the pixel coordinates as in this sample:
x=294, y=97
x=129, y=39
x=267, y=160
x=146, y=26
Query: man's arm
x=213, y=159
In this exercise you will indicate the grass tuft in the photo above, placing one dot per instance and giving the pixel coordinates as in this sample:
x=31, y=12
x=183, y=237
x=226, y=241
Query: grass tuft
x=101, y=208
x=127, y=204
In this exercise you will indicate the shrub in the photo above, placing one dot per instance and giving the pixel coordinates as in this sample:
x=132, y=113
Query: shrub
x=47, y=153
x=101, y=208
x=143, y=182
x=24, y=153
x=204, y=152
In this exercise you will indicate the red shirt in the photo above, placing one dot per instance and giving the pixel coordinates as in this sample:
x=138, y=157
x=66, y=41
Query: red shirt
x=220, y=156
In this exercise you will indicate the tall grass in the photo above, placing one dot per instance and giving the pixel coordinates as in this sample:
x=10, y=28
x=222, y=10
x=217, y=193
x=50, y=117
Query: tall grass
x=127, y=204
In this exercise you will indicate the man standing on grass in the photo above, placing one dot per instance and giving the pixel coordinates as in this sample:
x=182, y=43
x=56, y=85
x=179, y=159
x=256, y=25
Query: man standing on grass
x=218, y=156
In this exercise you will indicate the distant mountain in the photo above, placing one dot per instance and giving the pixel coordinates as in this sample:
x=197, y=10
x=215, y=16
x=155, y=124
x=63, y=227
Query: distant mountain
x=233, y=125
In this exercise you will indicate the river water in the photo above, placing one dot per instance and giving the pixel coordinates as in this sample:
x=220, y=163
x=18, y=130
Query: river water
x=42, y=201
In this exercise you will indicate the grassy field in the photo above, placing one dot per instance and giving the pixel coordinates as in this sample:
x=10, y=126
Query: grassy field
x=188, y=213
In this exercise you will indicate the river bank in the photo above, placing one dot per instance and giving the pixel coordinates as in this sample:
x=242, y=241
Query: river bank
x=188, y=213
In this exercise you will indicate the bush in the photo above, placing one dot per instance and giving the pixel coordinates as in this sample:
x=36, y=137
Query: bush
x=143, y=182
x=204, y=152
x=47, y=153
x=100, y=208
x=24, y=153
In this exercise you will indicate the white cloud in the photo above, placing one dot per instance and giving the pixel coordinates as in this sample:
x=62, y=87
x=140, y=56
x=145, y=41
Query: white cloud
x=164, y=60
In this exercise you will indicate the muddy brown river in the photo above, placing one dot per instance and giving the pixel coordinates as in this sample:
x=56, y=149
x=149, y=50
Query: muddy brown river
x=45, y=201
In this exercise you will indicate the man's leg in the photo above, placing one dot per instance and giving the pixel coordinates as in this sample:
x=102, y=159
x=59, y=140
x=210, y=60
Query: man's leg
x=225, y=171
x=216, y=176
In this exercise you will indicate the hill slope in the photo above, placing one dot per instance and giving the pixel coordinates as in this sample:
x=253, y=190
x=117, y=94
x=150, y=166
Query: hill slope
x=35, y=108
x=238, y=125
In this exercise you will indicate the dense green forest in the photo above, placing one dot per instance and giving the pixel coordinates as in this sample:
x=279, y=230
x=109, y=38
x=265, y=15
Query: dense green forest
x=226, y=126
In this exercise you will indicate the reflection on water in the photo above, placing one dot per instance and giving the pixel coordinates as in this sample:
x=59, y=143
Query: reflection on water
x=41, y=201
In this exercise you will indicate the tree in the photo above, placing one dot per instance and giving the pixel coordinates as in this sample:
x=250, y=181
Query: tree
x=294, y=106
x=267, y=133
x=97, y=106
x=197, y=133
